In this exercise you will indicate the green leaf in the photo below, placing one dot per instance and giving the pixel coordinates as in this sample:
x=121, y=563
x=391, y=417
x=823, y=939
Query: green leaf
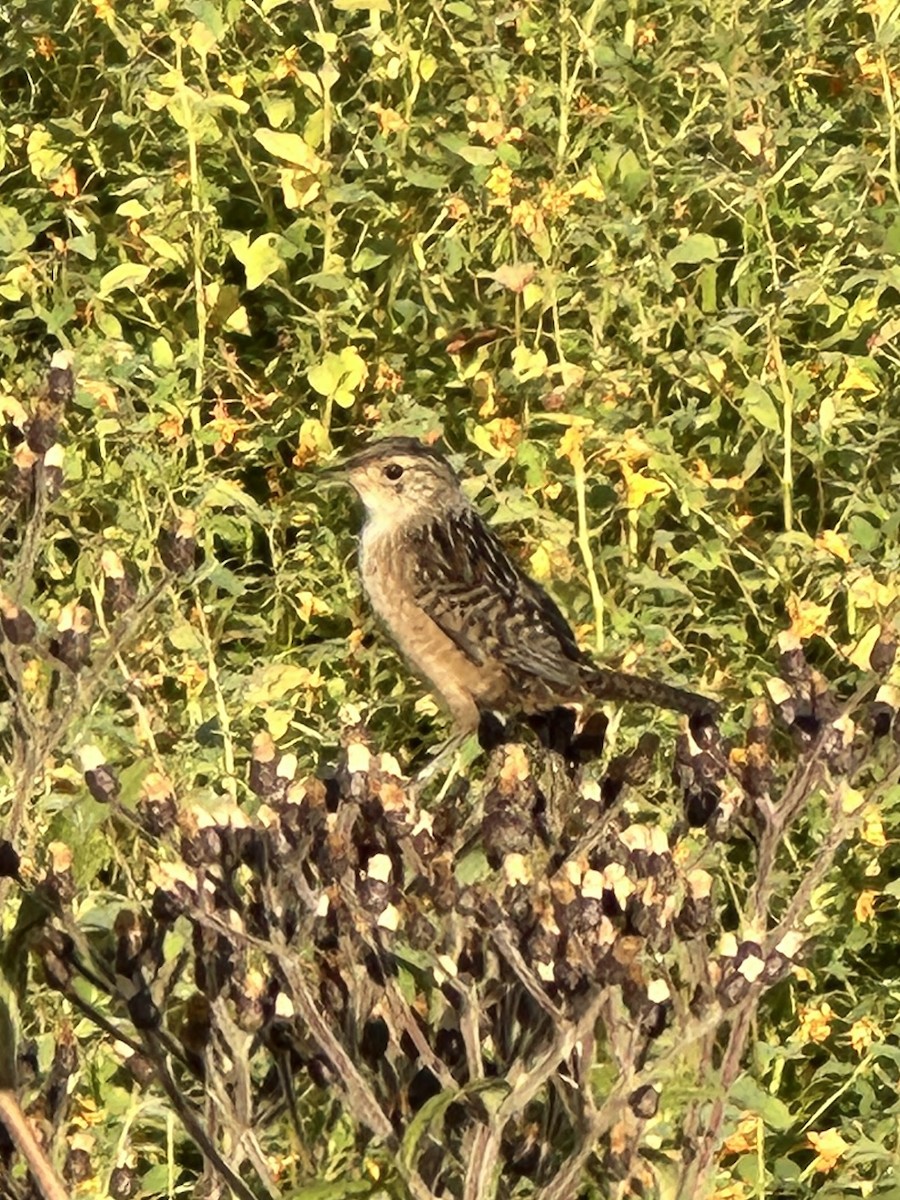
x=279, y=110
x=44, y=157
x=528, y=364
x=328, y=281
x=161, y=354
x=226, y=493
x=699, y=247
x=259, y=258
x=14, y=232
x=183, y=636
x=747, y=1093
x=165, y=249
x=478, y=156
x=339, y=375
x=757, y=403
x=423, y=178
x=84, y=244
x=275, y=681
x=863, y=533
x=334, y=1189
x=427, y=1115
x=290, y=147
x=367, y=258
x=472, y=868
x=127, y=275
x=325, y=377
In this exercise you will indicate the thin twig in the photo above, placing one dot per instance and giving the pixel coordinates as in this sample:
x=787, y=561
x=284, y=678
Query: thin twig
x=48, y=1183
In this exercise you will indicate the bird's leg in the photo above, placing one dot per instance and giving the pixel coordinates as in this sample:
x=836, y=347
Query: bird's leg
x=492, y=732
x=588, y=743
x=441, y=757
x=555, y=729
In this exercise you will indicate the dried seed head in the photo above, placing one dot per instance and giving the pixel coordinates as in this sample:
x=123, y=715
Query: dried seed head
x=17, y=625
x=178, y=546
x=72, y=642
x=53, y=469
x=61, y=378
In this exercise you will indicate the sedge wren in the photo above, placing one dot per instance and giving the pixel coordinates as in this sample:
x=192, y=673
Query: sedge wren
x=467, y=618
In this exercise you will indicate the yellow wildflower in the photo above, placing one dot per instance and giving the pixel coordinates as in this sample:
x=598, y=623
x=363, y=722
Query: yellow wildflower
x=389, y=120
x=829, y=1147
x=863, y=1033
x=745, y=1137
x=865, y=906
x=872, y=828
x=815, y=1022
x=807, y=618
x=500, y=183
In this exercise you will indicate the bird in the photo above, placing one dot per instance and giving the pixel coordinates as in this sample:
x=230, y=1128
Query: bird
x=486, y=637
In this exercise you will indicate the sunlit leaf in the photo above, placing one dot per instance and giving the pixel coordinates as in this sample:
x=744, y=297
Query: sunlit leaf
x=290, y=147
x=260, y=258
x=696, y=248
x=128, y=276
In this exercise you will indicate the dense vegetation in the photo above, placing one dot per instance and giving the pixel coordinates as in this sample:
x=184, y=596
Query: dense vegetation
x=637, y=266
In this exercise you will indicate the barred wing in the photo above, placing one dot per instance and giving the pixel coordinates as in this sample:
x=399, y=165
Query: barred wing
x=469, y=586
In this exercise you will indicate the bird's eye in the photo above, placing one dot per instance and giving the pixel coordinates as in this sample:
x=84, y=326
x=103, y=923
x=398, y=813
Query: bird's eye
x=393, y=471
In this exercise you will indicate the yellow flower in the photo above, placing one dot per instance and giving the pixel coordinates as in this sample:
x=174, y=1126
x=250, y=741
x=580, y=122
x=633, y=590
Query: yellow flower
x=639, y=488
x=193, y=676
x=868, y=63
x=386, y=378
x=731, y=1191
x=389, y=120
x=865, y=906
x=66, y=183
x=571, y=446
x=491, y=130
x=554, y=201
x=872, y=829
x=527, y=217
x=867, y=592
x=589, y=188
x=815, y=1022
x=745, y=1138
x=286, y=64
x=833, y=542
x=499, y=183
x=863, y=1033
x=829, y=1147
x=456, y=208
x=171, y=428
x=227, y=427
x=807, y=618
x=524, y=89
x=503, y=434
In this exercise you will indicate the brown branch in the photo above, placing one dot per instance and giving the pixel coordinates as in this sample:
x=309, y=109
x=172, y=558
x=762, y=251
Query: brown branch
x=49, y=1184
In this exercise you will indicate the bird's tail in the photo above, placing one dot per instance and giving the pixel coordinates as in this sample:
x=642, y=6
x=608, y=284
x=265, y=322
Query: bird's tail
x=636, y=689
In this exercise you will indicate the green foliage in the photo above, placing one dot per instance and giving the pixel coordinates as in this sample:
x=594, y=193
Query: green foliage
x=636, y=263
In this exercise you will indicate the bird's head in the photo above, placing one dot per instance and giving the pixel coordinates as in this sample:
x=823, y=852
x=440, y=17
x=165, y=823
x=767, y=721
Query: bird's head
x=399, y=480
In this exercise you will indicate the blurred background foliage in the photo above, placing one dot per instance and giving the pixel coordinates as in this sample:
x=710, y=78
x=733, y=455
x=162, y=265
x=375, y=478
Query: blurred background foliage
x=635, y=263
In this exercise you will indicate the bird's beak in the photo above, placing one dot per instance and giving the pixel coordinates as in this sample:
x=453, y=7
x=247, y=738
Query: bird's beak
x=336, y=473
